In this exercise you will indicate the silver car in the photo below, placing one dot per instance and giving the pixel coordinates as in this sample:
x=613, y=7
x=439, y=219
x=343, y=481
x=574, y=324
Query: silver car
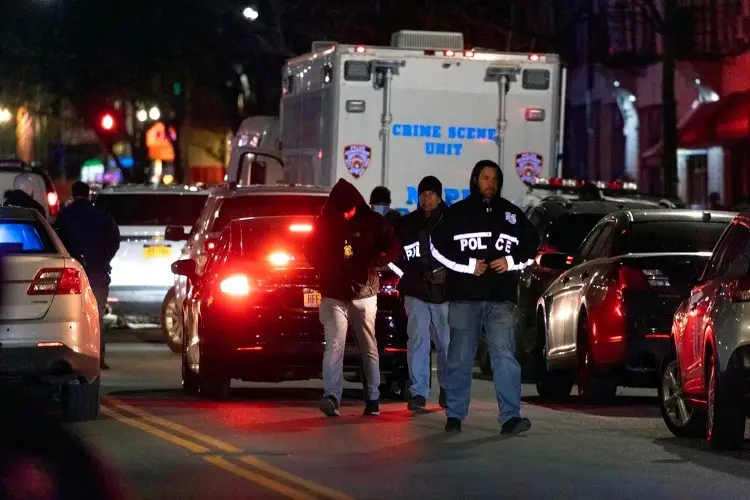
x=704, y=386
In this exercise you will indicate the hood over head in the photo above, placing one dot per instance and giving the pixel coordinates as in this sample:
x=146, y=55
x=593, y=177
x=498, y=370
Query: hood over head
x=344, y=196
x=481, y=164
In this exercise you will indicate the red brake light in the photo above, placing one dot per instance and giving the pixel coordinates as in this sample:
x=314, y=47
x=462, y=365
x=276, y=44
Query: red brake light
x=632, y=279
x=388, y=285
x=360, y=49
x=280, y=258
x=56, y=281
x=53, y=202
x=300, y=228
x=237, y=285
x=740, y=290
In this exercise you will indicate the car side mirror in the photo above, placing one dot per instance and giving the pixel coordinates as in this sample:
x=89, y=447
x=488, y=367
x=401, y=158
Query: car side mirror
x=185, y=267
x=556, y=260
x=175, y=233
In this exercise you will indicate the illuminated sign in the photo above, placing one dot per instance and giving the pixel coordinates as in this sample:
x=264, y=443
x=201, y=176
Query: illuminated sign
x=443, y=140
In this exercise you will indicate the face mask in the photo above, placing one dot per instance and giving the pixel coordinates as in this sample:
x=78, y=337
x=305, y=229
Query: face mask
x=381, y=209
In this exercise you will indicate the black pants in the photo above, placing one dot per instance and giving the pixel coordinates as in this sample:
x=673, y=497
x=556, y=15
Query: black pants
x=101, y=292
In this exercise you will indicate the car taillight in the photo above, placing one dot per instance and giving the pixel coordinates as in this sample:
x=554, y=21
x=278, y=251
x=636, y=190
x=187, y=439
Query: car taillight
x=53, y=202
x=544, y=249
x=388, y=285
x=642, y=279
x=280, y=258
x=56, y=281
x=237, y=285
x=740, y=290
x=301, y=228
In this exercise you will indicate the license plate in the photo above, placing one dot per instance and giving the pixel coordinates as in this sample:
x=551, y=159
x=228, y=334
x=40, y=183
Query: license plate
x=312, y=299
x=157, y=251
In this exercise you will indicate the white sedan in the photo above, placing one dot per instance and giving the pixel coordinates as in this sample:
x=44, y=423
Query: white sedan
x=49, y=323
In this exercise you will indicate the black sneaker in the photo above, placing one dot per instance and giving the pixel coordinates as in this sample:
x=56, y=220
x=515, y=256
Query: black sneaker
x=441, y=399
x=416, y=403
x=329, y=406
x=372, y=408
x=453, y=425
x=516, y=425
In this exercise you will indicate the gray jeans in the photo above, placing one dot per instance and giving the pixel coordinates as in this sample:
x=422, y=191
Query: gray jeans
x=336, y=317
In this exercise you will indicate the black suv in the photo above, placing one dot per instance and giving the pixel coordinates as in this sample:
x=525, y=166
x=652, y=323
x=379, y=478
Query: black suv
x=562, y=223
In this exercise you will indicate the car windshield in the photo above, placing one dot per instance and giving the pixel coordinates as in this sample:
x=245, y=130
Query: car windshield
x=275, y=237
x=265, y=206
x=567, y=232
x=24, y=238
x=675, y=236
x=157, y=209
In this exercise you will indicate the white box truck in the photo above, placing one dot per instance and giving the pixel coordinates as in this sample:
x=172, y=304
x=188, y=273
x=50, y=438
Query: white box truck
x=426, y=105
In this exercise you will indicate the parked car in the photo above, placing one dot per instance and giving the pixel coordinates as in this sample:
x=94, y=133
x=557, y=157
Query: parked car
x=49, y=324
x=252, y=314
x=606, y=320
x=141, y=274
x=705, y=382
x=562, y=223
x=44, y=190
x=226, y=203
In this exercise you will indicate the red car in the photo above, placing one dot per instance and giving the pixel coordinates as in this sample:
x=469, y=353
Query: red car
x=252, y=314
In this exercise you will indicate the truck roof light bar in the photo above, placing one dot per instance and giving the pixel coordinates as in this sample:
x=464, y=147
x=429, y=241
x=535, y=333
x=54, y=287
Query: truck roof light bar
x=571, y=184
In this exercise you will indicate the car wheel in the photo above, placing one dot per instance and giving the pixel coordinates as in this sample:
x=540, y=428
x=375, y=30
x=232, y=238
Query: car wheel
x=171, y=323
x=80, y=401
x=593, y=387
x=725, y=423
x=211, y=385
x=682, y=418
x=549, y=385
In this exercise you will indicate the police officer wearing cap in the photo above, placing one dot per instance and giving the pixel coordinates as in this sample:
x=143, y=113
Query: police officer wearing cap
x=422, y=286
x=485, y=241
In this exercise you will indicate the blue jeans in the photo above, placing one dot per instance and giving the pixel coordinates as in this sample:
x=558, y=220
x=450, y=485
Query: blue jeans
x=466, y=320
x=426, y=321
x=337, y=316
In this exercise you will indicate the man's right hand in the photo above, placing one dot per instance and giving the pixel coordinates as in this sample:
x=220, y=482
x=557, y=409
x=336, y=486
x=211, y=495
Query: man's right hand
x=480, y=268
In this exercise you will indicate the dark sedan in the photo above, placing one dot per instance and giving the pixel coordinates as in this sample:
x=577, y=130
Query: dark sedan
x=253, y=313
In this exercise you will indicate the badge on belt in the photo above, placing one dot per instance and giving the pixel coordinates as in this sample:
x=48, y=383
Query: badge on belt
x=348, y=252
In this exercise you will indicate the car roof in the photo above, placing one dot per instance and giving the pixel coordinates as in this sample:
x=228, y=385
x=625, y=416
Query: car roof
x=10, y=213
x=235, y=190
x=676, y=215
x=125, y=189
x=559, y=205
x=16, y=165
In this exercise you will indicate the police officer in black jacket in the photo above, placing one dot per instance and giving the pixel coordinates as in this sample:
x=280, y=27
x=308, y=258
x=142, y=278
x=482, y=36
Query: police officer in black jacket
x=422, y=286
x=484, y=240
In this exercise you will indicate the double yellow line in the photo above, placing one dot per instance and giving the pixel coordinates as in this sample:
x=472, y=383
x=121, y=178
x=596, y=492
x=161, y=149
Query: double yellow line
x=245, y=466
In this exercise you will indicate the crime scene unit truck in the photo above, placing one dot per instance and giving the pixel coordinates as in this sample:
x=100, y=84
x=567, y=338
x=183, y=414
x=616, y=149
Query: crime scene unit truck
x=423, y=106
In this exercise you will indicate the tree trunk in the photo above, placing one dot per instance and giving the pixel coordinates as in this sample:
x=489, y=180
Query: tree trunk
x=669, y=102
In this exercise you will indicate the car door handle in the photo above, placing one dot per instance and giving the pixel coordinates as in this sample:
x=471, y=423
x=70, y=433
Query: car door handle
x=584, y=275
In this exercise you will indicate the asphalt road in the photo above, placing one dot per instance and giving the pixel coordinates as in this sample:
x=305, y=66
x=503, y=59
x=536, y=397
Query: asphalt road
x=271, y=442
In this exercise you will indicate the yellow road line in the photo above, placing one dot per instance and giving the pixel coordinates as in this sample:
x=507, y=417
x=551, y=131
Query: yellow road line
x=254, y=477
x=198, y=436
x=291, y=478
x=194, y=447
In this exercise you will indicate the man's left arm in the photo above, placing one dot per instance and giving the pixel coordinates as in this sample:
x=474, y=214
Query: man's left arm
x=523, y=254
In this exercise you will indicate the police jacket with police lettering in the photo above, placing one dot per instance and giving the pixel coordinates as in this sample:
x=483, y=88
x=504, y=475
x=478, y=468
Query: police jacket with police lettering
x=475, y=229
x=422, y=276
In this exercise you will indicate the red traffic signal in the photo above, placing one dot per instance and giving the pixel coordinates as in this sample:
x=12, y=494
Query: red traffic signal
x=107, y=122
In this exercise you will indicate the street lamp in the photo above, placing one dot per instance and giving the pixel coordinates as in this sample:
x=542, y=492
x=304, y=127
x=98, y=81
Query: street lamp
x=5, y=115
x=250, y=13
x=142, y=115
x=154, y=113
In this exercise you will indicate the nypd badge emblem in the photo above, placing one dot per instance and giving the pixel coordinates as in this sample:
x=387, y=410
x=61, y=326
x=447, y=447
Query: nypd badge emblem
x=510, y=217
x=357, y=159
x=529, y=166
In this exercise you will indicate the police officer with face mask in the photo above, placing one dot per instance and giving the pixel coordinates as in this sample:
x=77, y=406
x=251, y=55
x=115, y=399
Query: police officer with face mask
x=485, y=241
x=380, y=202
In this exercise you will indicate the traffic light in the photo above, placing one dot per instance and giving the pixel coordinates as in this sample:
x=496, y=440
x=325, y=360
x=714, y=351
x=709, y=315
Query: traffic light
x=107, y=122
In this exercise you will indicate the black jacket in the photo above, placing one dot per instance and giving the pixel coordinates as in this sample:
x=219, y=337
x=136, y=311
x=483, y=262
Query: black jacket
x=475, y=229
x=90, y=235
x=422, y=276
x=348, y=253
x=18, y=198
